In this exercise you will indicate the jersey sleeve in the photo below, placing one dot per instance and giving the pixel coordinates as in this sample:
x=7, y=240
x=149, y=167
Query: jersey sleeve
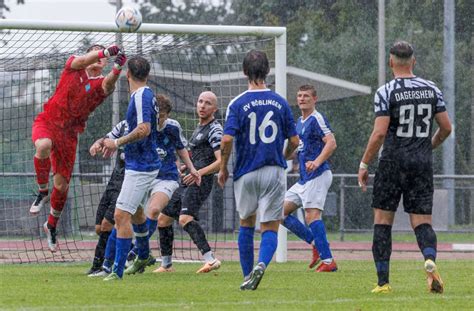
x=69, y=62
x=323, y=126
x=231, y=126
x=381, y=102
x=178, y=139
x=145, y=106
x=440, y=104
x=118, y=131
x=290, y=127
x=215, y=136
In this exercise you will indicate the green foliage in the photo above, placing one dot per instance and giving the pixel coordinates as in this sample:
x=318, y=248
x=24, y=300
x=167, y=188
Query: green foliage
x=284, y=286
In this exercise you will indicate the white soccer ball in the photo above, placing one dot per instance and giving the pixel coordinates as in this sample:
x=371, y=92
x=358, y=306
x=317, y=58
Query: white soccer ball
x=128, y=19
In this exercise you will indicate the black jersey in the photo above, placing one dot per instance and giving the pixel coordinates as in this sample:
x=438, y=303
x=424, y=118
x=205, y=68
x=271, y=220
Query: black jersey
x=119, y=130
x=204, y=141
x=411, y=104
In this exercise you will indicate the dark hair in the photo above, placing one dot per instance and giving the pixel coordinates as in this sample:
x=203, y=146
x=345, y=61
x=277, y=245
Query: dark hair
x=139, y=68
x=164, y=103
x=402, y=49
x=95, y=46
x=307, y=87
x=256, y=66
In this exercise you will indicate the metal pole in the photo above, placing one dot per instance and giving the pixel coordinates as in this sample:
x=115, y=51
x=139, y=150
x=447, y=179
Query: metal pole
x=342, y=193
x=381, y=46
x=280, y=88
x=449, y=97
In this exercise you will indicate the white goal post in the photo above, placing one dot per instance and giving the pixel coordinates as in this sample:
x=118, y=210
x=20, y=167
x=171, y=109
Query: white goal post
x=280, y=56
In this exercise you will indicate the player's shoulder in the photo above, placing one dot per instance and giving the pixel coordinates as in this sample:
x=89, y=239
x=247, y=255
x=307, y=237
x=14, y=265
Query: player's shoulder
x=319, y=119
x=238, y=100
x=424, y=82
x=215, y=125
x=172, y=123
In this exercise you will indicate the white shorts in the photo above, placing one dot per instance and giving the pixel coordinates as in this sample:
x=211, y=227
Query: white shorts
x=262, y=190
x=167, y=187
x=134, y=188
x=313, y=193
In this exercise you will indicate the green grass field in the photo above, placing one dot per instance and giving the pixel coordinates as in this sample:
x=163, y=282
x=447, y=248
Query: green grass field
x=285, y=286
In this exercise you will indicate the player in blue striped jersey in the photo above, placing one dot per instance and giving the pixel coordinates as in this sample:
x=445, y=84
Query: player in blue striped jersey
x=404, y=112
x=259, y=120
x=142, y=164
x=317, y=143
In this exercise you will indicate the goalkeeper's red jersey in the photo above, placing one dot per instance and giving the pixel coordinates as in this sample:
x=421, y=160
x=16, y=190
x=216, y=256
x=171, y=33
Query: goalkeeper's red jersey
x=76, y=96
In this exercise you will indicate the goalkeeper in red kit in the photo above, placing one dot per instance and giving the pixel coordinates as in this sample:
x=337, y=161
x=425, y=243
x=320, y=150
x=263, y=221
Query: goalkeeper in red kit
x=81, y=89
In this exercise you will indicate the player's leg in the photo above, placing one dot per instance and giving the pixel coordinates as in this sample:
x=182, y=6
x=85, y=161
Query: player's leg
x=161, y=193
x=42, y=139
x=134, y=188
x=165, y=229
x=418, y=202
x=270, y=184
x=386, y=197
x=193, y=198
x=313, y=200
x=166, y=233
x=293, y=200
x=101, y=223
x=144, y=257
x=42, y=164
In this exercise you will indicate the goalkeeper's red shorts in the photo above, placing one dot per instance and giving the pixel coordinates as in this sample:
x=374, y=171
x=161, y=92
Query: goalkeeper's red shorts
x=63, y=152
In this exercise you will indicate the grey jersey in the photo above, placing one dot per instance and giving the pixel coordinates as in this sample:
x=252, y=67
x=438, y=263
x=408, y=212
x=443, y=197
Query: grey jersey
x=411, y=104
x=204, y=141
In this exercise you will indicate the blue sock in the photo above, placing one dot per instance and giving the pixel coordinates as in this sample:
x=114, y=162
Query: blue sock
x=110, y=249
x=246, y=249
x=123, y=246
x=143, y=245
x=320, y=239
x=152, y=225
x=297, y=227
x=268, y=246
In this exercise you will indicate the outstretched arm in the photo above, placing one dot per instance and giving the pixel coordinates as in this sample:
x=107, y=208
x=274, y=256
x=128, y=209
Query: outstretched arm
x=81, y=62
x=109, y=82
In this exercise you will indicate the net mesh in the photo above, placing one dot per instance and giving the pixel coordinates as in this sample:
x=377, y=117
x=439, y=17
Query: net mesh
x=31, y=62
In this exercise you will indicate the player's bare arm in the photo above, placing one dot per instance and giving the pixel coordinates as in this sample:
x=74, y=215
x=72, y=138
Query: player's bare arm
x=293, y=143
x=373, y=146
x=328, y=149
x=184, y=156
x=444, y=129
x=96, y=147
x=226, y=150
x=208, y=170
x=141, y=131
x=108, y=84
x=94, y=56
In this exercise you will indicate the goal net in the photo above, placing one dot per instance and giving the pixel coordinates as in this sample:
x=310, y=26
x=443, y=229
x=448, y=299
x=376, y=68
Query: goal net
x=186, y=60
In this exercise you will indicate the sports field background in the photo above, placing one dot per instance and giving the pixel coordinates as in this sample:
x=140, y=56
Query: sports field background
x=285, y=286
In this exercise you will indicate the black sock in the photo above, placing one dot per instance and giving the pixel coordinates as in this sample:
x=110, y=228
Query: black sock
x=197, y=235
x=381, y=250
x=166, y=240
x=426, y=238
x=100, y=248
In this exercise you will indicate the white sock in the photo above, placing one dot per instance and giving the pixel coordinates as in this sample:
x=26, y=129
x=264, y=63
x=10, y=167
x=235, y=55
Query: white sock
x=209, y=257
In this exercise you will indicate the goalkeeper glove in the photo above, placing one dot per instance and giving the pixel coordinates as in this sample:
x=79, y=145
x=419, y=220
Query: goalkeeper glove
x=120, y=60
x=110, y=51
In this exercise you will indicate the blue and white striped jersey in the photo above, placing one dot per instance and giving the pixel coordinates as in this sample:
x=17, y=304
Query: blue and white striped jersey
x=411, y=104
x=311, y=133
x=170, y=139
x=142, y=155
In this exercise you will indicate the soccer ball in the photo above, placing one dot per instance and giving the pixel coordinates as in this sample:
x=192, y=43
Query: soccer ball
x=128, y=19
